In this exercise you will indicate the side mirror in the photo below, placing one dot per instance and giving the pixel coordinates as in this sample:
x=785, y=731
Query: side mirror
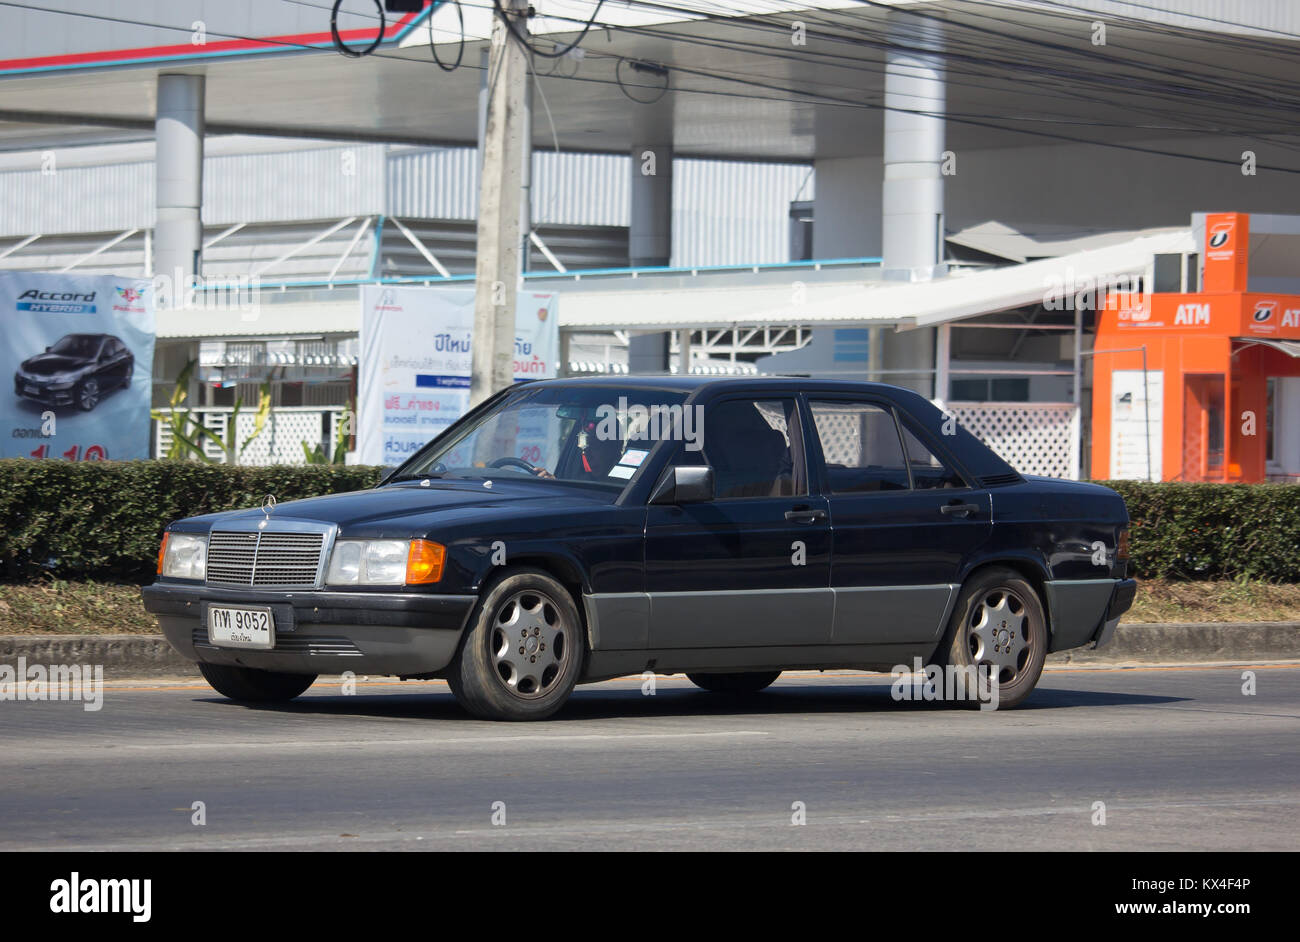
x=687, y=484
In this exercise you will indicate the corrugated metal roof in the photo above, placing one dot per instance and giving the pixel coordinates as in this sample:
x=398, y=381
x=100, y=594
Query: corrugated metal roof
x=723, y=213
x=730, y=213
x=294, y=185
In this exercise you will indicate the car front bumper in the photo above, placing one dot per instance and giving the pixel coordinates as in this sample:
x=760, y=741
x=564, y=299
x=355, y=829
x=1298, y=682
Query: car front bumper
x=54, y=394
x=402, y=633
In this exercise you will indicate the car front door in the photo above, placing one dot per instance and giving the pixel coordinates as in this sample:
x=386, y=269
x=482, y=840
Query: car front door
x=751, y=567
x=904, y=520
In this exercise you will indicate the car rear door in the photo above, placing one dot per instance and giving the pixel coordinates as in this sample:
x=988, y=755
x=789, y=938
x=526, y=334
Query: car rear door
x=752, y=566
x=904, y=519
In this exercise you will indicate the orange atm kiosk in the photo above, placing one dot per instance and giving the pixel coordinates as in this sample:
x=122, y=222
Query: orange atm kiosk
x=1182, y=380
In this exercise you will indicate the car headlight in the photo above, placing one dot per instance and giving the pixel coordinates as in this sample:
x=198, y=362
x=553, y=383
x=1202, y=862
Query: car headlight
x=183, y=556
x=385, y=562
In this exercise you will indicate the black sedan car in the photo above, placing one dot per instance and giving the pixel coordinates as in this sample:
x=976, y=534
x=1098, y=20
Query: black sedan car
x=570, y=531
x=77, y=370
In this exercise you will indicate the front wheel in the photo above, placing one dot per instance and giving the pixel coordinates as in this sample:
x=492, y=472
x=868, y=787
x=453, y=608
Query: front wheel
x=523, y=652
x=998, y=626
x=254, y=686
x=751, y=682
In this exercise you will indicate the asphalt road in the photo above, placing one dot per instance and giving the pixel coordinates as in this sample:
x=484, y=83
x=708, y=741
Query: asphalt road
x=1181, y=758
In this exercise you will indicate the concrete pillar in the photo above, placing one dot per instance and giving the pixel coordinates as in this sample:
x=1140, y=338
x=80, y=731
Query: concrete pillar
x=648, y=353
x=650, y=243
x=650, y=236
x=912, y=198
x=178, y=130
x=912, y=195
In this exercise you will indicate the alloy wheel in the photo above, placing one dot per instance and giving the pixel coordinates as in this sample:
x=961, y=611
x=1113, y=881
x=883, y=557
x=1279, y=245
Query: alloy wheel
x=530, y=644
x=998, y=634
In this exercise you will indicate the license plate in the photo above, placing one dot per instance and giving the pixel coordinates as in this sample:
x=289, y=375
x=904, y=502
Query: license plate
x=30, y=390
x=230, y=627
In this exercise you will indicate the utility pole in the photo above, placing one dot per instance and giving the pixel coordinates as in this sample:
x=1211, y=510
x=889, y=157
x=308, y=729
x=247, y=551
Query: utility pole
x=499, y=209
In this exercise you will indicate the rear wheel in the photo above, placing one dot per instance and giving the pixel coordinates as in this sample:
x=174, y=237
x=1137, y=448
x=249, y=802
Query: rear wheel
x=254, y=686
x=998, y=626
x=523, y=652
x=751, y=682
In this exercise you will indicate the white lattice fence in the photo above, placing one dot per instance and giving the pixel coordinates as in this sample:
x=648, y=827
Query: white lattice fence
x=1032, y=437
x=214, y=421
x=281, y=439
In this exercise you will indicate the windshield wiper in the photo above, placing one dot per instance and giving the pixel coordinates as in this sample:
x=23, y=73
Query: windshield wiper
x=415, y=477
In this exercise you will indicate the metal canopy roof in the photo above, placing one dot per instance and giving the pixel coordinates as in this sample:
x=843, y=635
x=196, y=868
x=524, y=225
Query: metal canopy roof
x=740, y=89
x=836, y=294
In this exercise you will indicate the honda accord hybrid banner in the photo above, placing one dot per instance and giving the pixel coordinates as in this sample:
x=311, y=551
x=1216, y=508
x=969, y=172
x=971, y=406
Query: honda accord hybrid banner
x=77, y=357
x=415, y=362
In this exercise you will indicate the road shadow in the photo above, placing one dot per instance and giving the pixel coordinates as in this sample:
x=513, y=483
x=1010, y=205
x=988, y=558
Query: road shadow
x=789, y=698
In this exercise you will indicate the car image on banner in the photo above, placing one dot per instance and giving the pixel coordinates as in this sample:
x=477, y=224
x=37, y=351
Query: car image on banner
x=71, y=347
x=77, y=369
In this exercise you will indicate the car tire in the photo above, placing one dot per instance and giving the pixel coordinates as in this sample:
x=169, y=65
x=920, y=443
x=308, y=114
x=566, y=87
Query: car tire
x=998, y=622
x=253, y=686
x=87, y=394
x=523, y=651
x=748, y=682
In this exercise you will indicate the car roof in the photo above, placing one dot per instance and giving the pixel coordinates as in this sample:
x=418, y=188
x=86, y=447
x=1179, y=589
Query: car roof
x=701, y=381
x=977, y=458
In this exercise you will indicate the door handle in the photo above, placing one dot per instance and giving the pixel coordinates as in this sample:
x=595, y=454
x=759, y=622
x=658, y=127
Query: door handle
x=807, y=515
x=960, y=510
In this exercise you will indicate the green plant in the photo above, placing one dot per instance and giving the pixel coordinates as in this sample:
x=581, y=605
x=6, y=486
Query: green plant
x=1213, y=531
x=188, y=432
x=103, y=520
x=315, y=454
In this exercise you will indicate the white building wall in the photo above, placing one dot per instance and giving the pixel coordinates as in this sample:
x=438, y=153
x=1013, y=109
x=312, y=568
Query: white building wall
x=1085, y=186
x=735, y=213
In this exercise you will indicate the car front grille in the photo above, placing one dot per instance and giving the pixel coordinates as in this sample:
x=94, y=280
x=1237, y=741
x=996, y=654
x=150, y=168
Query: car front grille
x=264, y=558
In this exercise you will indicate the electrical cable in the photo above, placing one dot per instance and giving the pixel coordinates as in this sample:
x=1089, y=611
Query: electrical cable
x=460, y=50
x=522, y=38
x=343, y=47
x=638, y=65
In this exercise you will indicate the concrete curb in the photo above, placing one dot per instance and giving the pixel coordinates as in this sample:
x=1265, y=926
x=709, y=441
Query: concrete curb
x=132, y=656
x=122, y=656
x=1191, y=643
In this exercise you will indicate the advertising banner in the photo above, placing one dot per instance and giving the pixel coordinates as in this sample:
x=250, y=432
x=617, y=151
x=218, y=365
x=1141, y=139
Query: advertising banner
x=77, y=358
x=415, y=362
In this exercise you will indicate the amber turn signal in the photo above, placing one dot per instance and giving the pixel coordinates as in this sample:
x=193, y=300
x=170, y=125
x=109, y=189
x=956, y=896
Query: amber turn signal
x=1121, y=550
x=162, y=551
x=424, y=562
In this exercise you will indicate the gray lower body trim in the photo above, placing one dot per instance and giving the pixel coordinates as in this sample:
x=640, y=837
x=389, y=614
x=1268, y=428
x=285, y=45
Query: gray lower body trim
x=867, y=615
x=892, y=614
x=1076, y=609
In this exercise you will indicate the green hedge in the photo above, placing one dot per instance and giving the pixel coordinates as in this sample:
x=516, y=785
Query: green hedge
x=103, y=520
x=1214, y=531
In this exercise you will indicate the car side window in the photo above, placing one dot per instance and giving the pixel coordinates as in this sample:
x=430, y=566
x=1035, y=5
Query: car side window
x=860, y=446
x=927, y=470
x=752, y=445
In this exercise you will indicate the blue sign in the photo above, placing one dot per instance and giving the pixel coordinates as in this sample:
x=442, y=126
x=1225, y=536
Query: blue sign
x=77, y=359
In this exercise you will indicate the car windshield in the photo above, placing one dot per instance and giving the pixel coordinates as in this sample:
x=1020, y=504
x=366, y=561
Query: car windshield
x=596, y=435
x=85, y=346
